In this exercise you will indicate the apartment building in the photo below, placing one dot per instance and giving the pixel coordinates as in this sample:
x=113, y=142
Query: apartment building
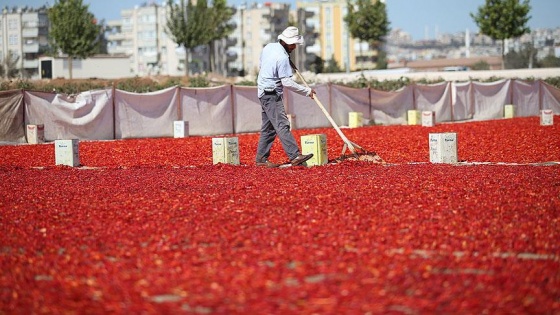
x=256, y=25
x=140, y=34
x=332, y=41
x=24, y=36
x=320, y=22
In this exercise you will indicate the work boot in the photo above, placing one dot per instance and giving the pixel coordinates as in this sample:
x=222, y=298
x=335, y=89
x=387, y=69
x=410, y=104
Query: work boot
x=300, y=159
x=267, y=163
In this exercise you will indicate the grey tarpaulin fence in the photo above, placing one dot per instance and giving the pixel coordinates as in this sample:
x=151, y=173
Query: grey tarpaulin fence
x=115, y=114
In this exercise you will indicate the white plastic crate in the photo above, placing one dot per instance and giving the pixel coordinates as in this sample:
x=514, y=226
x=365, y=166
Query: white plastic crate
x=35, y=134
x=428, y=118
x=180, y=129
x=316, y=144
x=225, y=150
x=443, y=147
x=67, y=152
x=547, y=117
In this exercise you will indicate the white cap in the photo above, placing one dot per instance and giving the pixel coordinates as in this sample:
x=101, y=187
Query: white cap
x=291, y=36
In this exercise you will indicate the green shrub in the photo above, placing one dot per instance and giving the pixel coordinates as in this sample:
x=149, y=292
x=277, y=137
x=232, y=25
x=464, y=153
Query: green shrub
x=247, y=83
x=199, y=81
x=555, y=81
x=137, y=85
x=24, y=85
x=144, y=85
x=481, y=65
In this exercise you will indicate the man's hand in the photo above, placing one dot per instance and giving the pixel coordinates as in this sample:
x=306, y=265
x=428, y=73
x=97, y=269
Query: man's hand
x=312, y=93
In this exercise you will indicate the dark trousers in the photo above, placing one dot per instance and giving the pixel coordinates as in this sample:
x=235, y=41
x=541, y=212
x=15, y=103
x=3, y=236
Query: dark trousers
x=275, y=122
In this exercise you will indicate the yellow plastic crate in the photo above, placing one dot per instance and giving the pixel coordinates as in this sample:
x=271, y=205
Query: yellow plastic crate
x=225, y=150
x=316, y=144
x=355, y=119
x=509, y=111
x=414, y=117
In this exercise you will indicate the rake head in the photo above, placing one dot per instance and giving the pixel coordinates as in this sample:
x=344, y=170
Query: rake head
x=357, y=153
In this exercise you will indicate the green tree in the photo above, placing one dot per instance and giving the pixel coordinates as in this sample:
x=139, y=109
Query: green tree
x=332, y=66
x=367, y=21
x=550, y=61
x=317, y=65
x=185, y=25
x=102, y=41
x=481, y=65
x=74, y=30
x=381, y=62
x=503, y=19
x=8, y=66
x=219, y=26
x=524, y=58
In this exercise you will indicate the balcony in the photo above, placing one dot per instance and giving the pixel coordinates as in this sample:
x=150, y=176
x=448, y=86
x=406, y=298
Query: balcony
x=116, y=50
x=116, y=36
x=147, y=42
x=30, y=32
x=31, y=64
x=31, y=48
x=127, y=29
x=33, y=22
x=149, y=57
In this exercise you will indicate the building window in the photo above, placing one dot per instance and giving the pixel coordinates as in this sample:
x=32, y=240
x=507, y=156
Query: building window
x=13, y=40
x=12, y=24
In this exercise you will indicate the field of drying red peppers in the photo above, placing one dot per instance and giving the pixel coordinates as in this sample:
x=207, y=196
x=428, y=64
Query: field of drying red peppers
x=151, y=226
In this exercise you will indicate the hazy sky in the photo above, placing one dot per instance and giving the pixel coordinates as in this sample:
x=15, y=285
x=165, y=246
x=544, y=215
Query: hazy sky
x=417, y=17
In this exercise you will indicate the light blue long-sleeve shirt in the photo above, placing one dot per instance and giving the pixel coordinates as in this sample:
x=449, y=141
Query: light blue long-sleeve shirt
x=276, y=73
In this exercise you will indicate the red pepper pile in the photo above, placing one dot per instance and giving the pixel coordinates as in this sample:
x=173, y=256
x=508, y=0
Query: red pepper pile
x=151, y=226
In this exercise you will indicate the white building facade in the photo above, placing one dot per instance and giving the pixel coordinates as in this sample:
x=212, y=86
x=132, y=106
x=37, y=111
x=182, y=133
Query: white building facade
x=24, y=36
x=256, y=25
x=140, y=34
x=323, y=24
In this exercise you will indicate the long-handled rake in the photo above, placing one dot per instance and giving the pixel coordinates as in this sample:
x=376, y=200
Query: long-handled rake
x=358, y=152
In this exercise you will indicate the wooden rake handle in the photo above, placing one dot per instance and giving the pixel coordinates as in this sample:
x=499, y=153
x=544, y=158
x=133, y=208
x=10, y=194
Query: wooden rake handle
x=348, y=143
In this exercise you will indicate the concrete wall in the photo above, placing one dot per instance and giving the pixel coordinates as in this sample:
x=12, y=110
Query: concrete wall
x=395, y=74
x=102, y=67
